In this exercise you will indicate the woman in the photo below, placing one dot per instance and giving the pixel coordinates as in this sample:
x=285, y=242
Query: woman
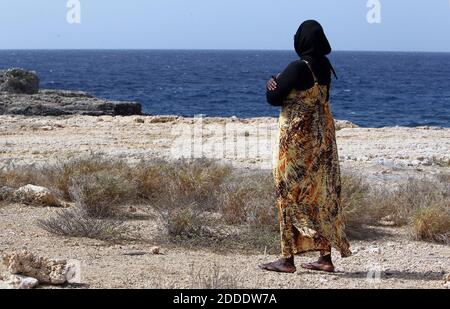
x=306, y=166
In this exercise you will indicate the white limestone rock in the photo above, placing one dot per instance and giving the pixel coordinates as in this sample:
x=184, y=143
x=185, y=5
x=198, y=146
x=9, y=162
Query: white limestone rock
x=35, y=195
x=22, y=282
x=48, y=271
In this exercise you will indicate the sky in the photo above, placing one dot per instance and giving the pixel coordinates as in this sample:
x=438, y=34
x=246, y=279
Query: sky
x=405, y=25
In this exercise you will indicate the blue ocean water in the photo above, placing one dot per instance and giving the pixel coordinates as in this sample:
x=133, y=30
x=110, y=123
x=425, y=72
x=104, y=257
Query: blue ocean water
x=374, y=89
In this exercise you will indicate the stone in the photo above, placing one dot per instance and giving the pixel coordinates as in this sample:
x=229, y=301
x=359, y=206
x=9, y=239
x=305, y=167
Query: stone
x=344, y=124
x=46, y=271
x=155, y=250
x=19, y=81
x=62, y=103
x=22, y=282
x=35, y=195
x=375, y=250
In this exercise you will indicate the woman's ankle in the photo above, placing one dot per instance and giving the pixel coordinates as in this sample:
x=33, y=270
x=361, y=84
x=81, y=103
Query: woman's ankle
x=289, y=260
x=326, y=259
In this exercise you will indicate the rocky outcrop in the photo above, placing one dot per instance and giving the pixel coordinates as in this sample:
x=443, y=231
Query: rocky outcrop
x=35, y=195
x=61, y=102
x=19, y=81
x=46, y=271
x=20, y=95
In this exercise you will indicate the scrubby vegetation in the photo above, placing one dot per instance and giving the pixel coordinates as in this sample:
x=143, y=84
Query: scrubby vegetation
x=77, y=223
x=207, y=203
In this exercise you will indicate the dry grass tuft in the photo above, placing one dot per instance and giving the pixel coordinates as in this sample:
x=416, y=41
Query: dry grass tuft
x=212, y=278
x=186, y=223
x=400, y=205
x=101, y=194
x=432, y=224
x=77, y=223
x=249, y=199
x=356, y=206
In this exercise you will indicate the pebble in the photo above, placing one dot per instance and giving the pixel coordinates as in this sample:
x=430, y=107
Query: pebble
x=155, y=250
x=375, y=250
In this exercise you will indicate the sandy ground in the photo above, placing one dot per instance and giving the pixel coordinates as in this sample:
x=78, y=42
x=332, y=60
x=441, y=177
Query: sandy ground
x=392, y=261
x=382, y=155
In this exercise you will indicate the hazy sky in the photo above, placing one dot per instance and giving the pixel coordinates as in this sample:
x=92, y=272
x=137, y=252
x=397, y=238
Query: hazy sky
x=406, y=25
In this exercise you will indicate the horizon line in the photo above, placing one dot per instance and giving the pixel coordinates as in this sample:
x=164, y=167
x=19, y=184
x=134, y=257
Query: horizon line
x=210, y=49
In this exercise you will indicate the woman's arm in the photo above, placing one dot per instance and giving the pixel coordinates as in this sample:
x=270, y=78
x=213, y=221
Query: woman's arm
x=278, y=90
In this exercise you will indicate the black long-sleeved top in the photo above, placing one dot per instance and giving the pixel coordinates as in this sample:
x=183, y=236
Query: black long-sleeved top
x=297, y=75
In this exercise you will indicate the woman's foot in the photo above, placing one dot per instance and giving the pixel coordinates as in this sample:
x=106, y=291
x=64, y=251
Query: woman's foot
x=323, y=264
x=282, y=265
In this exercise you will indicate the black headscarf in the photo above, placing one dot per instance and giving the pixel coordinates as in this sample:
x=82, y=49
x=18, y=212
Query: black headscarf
x=311, y=44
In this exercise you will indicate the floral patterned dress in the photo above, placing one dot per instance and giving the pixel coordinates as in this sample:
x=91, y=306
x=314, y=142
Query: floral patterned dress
x=307, y=175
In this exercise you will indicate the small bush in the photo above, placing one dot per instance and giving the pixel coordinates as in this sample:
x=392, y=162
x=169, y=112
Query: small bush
x=432, y=224
x=251, y=200
x=20, y=176
x=188, y=190
x=356, y=207
x=77, y=223
x=185, y=223
x=200, y=181
x=101, y=194
x=60, y=175
x=399, y=205
x=151, y=179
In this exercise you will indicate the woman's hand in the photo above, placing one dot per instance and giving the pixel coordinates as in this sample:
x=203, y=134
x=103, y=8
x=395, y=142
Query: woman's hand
x=272, y=84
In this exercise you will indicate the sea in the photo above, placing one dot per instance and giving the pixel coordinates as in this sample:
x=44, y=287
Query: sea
x=374, y=89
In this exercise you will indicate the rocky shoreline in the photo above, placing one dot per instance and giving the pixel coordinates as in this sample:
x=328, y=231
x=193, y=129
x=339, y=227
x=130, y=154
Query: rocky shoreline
x=20, y=95
x=64, y=102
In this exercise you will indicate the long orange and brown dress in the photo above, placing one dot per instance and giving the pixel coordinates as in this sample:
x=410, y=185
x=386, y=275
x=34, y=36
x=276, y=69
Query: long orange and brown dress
x=307, y=175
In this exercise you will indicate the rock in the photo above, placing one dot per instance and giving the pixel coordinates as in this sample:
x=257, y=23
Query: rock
x=48, y=271
x=344, y=124
x=35, y=195
x=5, y=193
x=414, y=163
x=19, y=81
x=61, y=102
x=163, y=119
x=375, y=250
x=447, y=281
x=22, y=282
x=155, y=250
